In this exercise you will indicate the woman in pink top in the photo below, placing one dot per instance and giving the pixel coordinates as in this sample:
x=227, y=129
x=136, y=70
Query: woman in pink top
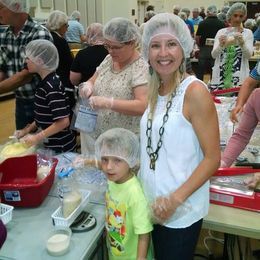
x=244, y=131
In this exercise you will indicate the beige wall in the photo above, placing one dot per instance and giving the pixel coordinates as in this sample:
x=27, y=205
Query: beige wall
x=91, y=10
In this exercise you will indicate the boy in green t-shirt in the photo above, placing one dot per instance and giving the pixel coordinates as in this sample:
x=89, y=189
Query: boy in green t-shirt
x=128, y=223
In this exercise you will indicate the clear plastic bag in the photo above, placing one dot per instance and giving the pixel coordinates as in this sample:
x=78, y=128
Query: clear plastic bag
x=84, y=117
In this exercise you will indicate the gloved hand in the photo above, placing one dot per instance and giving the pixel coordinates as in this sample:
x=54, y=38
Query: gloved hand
x=253, y=181
x=222, y=40
x=239, y=37
x=33, y=139
x=86, y=89
x=22, y=132
x=97, y=102
x=164, y=207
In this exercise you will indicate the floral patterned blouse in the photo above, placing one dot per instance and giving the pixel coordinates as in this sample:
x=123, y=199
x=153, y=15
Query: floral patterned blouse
x=119, y=85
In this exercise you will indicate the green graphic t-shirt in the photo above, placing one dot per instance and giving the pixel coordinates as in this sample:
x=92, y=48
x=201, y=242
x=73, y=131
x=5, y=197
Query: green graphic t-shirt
x=127, y=216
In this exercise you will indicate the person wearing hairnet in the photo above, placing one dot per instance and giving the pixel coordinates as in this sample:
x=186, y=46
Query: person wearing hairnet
x=233, y=46
x=57, y=23
x=179, y=140
x=75, y=34
x=51, y=113
x=14, y=75
x=128, y=223
x=88, y=59
x=118, y=89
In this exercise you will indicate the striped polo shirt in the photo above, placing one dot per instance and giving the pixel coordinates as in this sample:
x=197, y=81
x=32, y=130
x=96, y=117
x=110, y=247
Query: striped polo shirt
x=51, y=104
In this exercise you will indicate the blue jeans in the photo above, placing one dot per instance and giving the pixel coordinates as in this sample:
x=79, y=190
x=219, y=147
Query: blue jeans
x=175, y=243
x=24, y=112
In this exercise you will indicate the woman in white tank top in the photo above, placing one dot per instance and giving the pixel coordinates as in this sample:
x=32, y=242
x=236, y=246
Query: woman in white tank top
x=179, y=140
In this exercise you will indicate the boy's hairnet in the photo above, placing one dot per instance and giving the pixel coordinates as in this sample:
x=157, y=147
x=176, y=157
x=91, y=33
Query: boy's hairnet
x=16, y=6
x=120, y=143
x=43, y=53
x=171, y=24
x=94, y=33
x=75, y=15
x=56, y=20
x=236, y=7
x=121, y=30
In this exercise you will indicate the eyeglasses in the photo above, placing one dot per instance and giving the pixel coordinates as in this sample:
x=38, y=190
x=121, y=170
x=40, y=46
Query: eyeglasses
x=113, y=47
x=116, y=47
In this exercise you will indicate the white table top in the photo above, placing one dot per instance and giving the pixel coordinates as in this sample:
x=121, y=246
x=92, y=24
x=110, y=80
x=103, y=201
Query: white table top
x=29, y=229
x=233, y=221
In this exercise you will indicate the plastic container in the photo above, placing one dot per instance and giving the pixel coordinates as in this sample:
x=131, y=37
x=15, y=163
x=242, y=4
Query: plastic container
x=58, y=218
x=6, y=213
x=19, y=186
x=58, y=241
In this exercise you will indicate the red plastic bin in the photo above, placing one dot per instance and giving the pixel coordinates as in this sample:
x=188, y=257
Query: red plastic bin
x=18, y=184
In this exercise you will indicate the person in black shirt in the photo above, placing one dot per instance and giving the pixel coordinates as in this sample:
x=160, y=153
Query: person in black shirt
x=57, y=23
x=207, y=30
x=86, y=60
x=51, y=113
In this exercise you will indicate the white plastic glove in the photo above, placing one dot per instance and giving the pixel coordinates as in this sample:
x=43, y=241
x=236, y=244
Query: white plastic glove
x=253, y=181
x=86, y=89
x=239, y=38
x=33, y=139
x=164, y=207
x=97, y=102
x=19, y=133
x=222, y=40
x=22, y=132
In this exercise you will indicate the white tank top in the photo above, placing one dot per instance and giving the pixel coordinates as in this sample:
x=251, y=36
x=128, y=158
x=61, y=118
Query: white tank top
x=179, y=155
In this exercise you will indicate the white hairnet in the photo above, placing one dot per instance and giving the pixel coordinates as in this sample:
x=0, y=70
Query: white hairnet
x=236, y=7
x=258, y=67
x=56, y=20
x=212, y=9
x=183, y=15
x=43, y=53
x=167, y=23
x=225, y=9
x=75, y=15
x=120, y=143
x=17, y=6
x=94, y=33
x=121, y=30
x=249, y=23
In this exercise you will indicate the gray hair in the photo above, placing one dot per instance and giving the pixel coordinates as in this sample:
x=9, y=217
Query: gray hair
x=56, y=20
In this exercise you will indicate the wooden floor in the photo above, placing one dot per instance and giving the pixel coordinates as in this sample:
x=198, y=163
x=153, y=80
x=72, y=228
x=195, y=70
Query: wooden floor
x=7, y=119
